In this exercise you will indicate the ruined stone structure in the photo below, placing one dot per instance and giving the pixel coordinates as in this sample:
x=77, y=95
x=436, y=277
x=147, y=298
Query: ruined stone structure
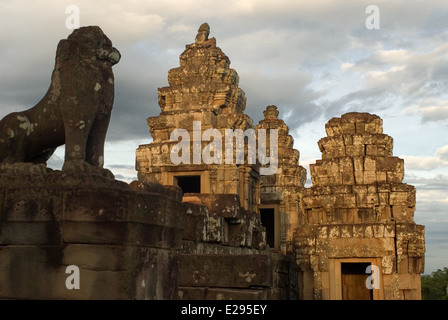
x=206, y=219
x=357, y=216
x=203, y=95
x=224, y=249
x=279, y=192
x=358, y=213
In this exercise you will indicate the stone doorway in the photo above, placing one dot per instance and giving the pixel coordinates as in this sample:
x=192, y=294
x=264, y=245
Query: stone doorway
x=353, y=280
x=348, y=279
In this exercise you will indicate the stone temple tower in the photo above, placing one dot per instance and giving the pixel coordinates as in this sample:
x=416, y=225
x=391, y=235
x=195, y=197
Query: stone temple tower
x=279, y=192
x=202, y=101
x=357, y=218
x=205, y=144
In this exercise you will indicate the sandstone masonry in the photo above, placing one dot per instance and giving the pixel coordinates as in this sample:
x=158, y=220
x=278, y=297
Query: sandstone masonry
x=357, y=216
x=224, y=253
x=218, y=230
x=358, y=211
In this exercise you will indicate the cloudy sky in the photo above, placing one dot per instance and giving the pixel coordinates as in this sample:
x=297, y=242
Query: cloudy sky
x=313, y=59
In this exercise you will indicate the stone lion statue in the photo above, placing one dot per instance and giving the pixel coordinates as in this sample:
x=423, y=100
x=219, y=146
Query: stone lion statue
x=75, y=111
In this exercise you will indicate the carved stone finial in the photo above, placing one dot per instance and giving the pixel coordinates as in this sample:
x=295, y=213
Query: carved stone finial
x=271, y=112
x=203, y=33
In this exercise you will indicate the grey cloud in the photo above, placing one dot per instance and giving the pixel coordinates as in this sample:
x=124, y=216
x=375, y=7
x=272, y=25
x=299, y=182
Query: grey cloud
x=443, y=153
x=288, y=92
x=124, y=178
x=283, y=37
x=23, y=86
x=439, y=182
x=433, y=109
x=133, y=104
x=121, y=166
x=372, y=100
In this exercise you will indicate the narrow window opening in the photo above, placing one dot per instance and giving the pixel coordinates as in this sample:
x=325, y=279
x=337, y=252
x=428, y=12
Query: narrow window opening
x=189, y=184
x=268, y=221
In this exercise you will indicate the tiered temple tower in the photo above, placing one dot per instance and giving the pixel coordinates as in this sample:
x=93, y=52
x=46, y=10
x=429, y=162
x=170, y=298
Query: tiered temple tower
x=203, y=100
x=358, y=218
x=279, y=196
x=204, y=143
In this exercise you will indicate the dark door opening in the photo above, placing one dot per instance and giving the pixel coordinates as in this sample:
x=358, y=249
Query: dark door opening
x=354, y=278
x=189, y=184
x=267, y=220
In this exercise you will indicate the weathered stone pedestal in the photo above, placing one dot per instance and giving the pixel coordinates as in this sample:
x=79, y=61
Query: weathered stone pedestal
x=125, y=239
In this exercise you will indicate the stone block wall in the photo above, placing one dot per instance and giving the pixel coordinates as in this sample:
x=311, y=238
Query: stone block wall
x=137, y=241
x=220, y=219
x=224, y=254
x=124, y=240
x=256, y=276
